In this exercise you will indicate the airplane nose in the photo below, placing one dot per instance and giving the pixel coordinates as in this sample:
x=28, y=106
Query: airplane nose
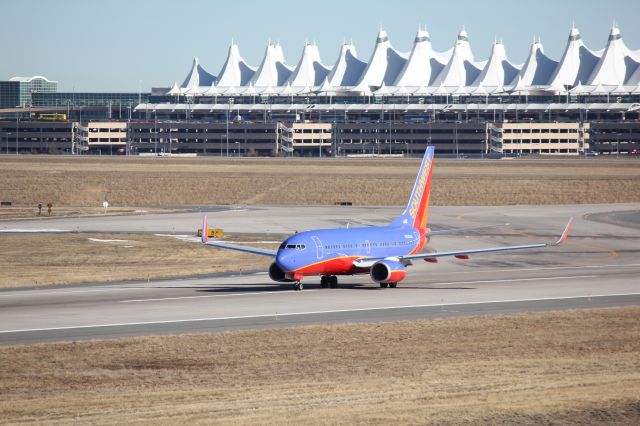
x=284, y=261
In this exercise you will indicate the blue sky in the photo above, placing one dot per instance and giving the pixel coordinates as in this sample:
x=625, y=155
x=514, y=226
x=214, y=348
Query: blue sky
x=113, y=45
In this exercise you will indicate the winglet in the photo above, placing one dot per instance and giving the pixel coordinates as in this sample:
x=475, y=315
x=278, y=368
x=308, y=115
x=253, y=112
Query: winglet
x=565, y=233
x=205, y=231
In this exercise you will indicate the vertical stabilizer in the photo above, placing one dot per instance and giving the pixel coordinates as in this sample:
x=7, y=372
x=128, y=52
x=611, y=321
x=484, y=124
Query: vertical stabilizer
x=415, y=215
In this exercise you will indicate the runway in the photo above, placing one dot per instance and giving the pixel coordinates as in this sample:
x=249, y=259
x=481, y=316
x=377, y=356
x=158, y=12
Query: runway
x=599, y=266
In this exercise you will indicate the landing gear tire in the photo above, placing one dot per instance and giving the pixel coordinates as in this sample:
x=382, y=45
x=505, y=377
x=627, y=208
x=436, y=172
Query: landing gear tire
x=384, y=285
x=393, y=285
x=298, y=286
x=333, y=281
x=324, y=281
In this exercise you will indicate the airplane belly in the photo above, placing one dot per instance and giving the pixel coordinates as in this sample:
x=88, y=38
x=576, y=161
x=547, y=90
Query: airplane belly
x=341, y=265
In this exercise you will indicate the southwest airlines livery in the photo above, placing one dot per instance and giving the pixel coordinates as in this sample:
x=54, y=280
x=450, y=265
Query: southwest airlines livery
x=383, y=252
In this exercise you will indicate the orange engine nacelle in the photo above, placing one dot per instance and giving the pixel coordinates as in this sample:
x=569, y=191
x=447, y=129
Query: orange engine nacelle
x=388, y=271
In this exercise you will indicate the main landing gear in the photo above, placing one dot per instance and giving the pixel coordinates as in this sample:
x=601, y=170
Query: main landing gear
x=329, y=281
x=297, y=286
x=392, y=285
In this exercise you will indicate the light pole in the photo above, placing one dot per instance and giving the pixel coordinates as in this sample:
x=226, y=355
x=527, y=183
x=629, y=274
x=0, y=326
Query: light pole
x=229, y=102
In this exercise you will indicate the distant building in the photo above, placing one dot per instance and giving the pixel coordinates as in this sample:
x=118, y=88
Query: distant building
x=525, y=138
x=18, y=91
x=73, y=99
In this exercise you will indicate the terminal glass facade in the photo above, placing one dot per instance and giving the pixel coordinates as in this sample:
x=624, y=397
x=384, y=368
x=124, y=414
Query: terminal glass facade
x=89, y=99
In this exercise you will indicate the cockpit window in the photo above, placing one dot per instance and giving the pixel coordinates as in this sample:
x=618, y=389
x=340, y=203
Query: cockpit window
x=293, y=246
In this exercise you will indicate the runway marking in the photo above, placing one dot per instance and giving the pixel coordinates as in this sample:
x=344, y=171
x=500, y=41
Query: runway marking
x=213, y=295
x=279, y=314
x=20, y=230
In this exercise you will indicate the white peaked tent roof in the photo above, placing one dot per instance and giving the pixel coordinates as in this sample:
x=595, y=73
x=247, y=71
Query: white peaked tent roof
x=404, y=90
x=598, y=90
x=197, y=77
x=272, y=71
x=384, y=66
x=348, y=68
x=304, y=90
x=235, y=71
x=619, y=90
x=211, y=91
x=286, y=90
x=498, y=71
x=579, y=89
x=422, y=67
x=175, y=90
x=577, y=62
x=269, y=90
x=537, y=69
x=615, y=69
x=326, y=87
x=480, y=90
x=634, y=79
x=309, y=71
x=422, y=90
x=385, y=90
x=612, y=67
x=461, y=69
x=440, y=90
x=250, y=90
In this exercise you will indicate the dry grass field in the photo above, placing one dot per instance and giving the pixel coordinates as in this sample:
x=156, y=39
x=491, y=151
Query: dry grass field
x=572, y=367
x=83, y=181
x=31, y=211
x=42, y=259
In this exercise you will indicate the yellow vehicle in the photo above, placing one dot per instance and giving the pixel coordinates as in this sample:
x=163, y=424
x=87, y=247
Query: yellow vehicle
x=213, y=233
x=52, y=117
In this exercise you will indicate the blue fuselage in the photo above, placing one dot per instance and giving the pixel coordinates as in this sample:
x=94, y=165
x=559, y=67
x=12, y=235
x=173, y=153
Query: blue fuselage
x=332, y=251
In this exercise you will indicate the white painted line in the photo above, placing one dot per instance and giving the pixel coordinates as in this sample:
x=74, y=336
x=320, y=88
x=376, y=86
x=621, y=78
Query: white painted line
x=63, y=291
x=259, y=293
x=99, y=240
x=33, y=230
x=279, y=314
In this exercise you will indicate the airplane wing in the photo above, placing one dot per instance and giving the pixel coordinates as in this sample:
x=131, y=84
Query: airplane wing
x=245, y=249
x=368, y=261
x=220, y=244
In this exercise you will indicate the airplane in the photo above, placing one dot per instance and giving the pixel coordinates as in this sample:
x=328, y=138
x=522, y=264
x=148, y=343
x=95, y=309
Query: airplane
x=383, y=252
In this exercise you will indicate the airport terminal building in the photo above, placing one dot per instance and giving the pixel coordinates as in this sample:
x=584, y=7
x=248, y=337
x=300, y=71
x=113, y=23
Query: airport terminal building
x=396, y=103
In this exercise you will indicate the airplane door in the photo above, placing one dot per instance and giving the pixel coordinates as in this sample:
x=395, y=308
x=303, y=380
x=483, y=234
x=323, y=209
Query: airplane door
x=318, y=243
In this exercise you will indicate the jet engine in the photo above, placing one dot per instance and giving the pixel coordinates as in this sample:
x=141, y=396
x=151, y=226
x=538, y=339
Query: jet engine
x=277, y=274
x=388, y=271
